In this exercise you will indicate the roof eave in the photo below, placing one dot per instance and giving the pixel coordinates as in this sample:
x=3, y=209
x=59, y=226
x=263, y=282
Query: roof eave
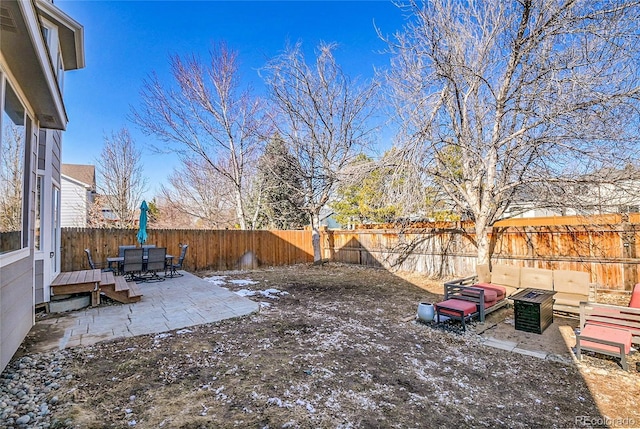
x=71, y=35
x=28, y=58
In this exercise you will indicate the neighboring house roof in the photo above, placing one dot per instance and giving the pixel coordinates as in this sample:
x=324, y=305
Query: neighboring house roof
x=85, y=174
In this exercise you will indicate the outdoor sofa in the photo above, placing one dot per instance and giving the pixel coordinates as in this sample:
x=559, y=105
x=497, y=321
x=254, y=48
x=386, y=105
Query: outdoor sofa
x=571, y=287
x=487, y=291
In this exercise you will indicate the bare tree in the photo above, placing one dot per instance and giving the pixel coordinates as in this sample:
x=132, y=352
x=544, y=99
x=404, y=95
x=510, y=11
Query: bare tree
x=510, y=100
x=121, y=182
x=200, y=192
x=11, y=180
x=207, y=115
x=324, y=119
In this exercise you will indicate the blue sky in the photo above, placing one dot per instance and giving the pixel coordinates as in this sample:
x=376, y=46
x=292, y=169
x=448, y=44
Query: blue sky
x=127, y=40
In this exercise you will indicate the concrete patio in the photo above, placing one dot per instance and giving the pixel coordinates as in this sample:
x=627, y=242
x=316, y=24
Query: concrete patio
x=175, y=303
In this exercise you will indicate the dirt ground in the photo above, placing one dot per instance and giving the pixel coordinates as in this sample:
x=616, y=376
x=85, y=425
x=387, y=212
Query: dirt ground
x=341, y=349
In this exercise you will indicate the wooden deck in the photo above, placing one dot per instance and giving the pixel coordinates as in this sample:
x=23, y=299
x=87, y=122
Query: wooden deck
x=78, y=282
x=95, y=282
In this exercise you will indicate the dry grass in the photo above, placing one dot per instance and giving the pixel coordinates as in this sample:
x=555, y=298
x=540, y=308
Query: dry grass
x=335, y=353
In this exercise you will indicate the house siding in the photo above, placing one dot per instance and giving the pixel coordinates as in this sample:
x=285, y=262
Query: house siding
x=39, y=281
x=56, y=137
x=16, y=306
x=74, y=205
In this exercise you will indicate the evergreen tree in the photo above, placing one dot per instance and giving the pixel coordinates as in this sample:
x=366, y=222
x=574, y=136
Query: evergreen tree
x=280, y=182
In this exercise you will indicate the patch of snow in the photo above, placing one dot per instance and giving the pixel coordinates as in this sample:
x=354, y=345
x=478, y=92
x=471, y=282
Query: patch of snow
x=216, y=280
x=305, y=404
x=278, y=402
x=264, y=304
x=184, y=331
x=275, y=291
x=243, y=282
x=245, y=292
x=162, y=336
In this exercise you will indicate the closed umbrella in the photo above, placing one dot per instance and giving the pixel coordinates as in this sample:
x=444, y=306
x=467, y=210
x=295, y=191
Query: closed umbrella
x=142, y=232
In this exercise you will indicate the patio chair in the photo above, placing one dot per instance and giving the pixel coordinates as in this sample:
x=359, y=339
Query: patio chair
x=146, y=247
x=121, y=249
x=173, y=268
x=93, y=265
x=133, y=264
x=156, y=262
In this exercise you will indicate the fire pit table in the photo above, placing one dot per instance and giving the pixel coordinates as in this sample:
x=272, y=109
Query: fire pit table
x=533, y=309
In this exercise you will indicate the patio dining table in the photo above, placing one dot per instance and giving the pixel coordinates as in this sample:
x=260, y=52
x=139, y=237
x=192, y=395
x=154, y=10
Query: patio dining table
x=119, y=261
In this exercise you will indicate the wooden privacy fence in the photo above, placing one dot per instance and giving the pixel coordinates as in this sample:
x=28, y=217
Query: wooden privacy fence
x=208, y=249
x=605, y=246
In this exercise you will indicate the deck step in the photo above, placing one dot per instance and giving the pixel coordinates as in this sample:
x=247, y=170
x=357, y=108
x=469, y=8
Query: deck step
x=122, y=284
x=134, y=292
x=122, y=290
x=107, y=279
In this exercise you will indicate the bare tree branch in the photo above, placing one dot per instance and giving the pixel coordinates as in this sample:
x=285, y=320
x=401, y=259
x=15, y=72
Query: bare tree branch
x=525, y=93
x=323, y=118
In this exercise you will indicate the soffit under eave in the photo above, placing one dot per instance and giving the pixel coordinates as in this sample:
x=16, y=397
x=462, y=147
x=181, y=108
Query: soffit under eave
x=70, y=34
x=27, y=58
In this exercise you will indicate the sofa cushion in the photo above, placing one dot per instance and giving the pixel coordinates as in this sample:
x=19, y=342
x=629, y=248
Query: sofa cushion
x=635, y=297
x=505, y=275
x=576, y=282
x=500, y=291
x=489, y=295
x=538, y=278
x=467, y=307
x=483, y=273
x=490, y=304
x=571, y=299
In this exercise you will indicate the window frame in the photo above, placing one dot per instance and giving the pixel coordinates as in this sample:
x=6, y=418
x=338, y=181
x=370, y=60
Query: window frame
x=13, y=255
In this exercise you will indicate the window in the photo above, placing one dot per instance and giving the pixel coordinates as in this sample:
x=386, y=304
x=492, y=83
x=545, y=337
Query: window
x=12, y=174
x=60, y=73
x=46, y=34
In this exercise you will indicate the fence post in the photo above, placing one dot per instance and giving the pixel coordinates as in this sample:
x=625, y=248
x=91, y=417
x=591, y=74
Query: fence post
x=629, y=271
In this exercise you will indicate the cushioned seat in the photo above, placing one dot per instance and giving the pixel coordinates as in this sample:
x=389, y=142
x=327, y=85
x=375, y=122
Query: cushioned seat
x=572, y=299
x=490, y=295
x=490, y=304
x=456, y=309
x=453, y=307
x=500, y=291
x=635, y=297
x=615, y=335
x=601, y=339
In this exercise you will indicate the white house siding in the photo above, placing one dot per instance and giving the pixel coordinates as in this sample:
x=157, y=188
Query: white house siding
x=74, y=204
